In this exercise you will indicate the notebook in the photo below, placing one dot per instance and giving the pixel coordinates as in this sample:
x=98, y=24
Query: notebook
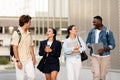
x=96, y=47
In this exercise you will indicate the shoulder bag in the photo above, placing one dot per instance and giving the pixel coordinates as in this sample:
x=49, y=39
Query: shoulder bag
x=84, y=56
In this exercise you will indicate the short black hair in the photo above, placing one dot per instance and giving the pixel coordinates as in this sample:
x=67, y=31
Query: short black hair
x=98, y=17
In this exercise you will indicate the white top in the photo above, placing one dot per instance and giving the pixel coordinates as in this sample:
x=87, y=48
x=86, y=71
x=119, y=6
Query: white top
x=97, y=35
x=49, y=43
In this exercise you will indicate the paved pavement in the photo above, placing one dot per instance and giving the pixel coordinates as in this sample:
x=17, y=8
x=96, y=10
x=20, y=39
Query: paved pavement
x=85, y=74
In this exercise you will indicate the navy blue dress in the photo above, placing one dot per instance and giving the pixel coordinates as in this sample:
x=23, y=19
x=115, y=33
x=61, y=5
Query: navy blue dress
x=51, y=62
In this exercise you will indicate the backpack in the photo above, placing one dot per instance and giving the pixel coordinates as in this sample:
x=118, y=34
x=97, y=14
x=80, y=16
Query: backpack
x=11, y=46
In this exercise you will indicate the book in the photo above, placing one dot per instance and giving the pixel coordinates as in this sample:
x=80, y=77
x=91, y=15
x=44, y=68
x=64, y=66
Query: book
x=72, y=44
x=96, y=47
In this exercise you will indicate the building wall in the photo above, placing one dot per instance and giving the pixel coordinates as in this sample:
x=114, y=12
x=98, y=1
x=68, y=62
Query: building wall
x=81, y=13
x=78, y=12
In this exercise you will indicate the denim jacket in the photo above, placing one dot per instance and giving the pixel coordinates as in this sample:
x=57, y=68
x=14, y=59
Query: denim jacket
x=105, y=37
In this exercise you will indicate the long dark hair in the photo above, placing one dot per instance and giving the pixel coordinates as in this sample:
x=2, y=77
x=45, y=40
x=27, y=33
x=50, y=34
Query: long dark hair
x=68, y=30
x=54, y=32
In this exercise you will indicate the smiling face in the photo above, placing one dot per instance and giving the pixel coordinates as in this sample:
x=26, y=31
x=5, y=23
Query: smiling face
x=73, y=31
x=97, y=23
x=50, y=33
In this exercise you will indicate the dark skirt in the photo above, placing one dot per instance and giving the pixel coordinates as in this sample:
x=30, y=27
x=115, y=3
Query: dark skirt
x=48, y=68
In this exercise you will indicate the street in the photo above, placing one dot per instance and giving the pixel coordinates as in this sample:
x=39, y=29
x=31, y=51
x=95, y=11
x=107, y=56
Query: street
x=85, y=74
x=10, y=75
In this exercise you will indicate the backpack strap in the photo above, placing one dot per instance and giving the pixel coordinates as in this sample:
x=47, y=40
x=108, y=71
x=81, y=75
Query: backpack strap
x=11, y=46
x=19, y=33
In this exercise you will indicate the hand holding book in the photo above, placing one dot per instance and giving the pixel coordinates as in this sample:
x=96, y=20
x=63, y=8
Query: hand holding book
x=97, y=48
x=100, y=51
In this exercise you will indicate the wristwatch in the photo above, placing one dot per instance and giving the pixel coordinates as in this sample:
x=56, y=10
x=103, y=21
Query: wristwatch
x=17, y=60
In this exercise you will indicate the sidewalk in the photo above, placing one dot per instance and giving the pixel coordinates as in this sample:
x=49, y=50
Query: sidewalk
x=85, y=74
x=3, y=67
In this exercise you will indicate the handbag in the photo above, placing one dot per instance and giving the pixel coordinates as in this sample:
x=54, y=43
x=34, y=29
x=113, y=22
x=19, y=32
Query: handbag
x=84, y=56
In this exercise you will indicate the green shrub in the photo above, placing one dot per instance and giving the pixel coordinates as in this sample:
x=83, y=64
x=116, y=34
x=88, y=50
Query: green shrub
x=4, y=60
